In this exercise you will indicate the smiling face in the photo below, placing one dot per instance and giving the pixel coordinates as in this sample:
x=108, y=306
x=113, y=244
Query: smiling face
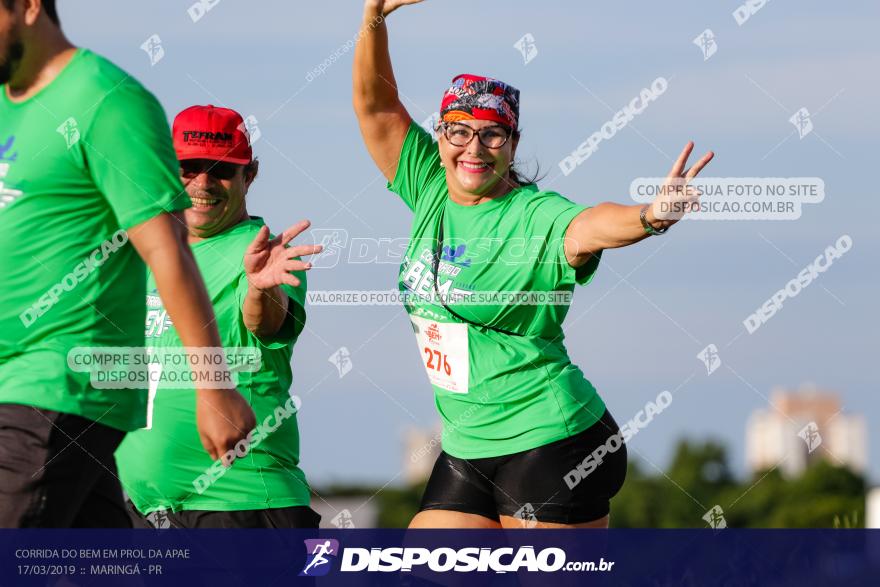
x=217, y=191
x=475, y=169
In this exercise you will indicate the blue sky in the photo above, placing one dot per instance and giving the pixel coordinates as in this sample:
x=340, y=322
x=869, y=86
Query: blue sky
x=652, y=307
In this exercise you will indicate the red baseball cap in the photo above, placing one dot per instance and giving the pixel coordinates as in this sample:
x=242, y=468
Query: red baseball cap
x=209, y=132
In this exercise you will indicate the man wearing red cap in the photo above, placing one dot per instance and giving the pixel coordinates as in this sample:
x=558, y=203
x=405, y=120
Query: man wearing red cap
x=86, y=165
x=257, y=285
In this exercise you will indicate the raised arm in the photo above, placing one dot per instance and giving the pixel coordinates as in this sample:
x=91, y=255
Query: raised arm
x=223, y=416
x=609, y=225
x=381, y=115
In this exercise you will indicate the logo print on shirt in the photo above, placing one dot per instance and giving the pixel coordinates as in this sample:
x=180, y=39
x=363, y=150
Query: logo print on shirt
x=453, y=254
x=158, y=320
x=7, y=195
x=433, y=333
x=6, y=148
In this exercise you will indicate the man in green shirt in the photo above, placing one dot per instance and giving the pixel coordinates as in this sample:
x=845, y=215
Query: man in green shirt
x=88, y=193
x=260, y=308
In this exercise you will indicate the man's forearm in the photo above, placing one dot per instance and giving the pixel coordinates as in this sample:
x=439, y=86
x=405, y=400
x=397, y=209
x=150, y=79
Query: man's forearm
x=264, y=311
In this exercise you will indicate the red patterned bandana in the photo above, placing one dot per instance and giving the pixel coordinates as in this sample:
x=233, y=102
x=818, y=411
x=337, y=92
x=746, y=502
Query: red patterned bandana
x=473, y=97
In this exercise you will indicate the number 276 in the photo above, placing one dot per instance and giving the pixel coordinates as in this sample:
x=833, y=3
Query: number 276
x=441, y=363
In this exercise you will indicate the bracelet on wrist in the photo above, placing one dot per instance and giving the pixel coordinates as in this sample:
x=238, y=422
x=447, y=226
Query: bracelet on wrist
x=649, y=229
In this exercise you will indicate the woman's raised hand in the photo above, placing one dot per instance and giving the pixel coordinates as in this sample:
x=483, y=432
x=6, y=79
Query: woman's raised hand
x=676, y=196
x=386, y=7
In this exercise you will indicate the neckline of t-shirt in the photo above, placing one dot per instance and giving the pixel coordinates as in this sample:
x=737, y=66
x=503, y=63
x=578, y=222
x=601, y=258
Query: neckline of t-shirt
x=17, y=104
x=240, y=227
x=493, y=203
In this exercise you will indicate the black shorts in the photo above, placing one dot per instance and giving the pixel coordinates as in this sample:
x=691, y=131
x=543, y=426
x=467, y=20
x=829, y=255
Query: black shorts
x=57, y=471
x=290, y=517
x=543, y=484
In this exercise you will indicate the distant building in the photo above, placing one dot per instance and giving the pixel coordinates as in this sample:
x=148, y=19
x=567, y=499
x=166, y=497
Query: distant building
x=802, y=427
x=420, y=450
x=872, y=508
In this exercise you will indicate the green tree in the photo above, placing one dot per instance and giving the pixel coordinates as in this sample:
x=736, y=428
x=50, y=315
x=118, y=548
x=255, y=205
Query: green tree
x=398, y=506
x=824, y=496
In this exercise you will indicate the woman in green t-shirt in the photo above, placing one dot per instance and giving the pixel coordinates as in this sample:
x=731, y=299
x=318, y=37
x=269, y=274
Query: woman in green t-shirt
x=487, y=278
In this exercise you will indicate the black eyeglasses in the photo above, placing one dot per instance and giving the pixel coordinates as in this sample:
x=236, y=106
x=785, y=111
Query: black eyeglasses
x=461, y=135
x=190, y=168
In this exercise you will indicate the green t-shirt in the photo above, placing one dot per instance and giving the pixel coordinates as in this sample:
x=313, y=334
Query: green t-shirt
x=165, y=466
x=89, y=155
x=496, y=393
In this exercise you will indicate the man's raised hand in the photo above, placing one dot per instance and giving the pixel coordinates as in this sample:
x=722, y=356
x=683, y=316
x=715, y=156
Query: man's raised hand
x=268, y=262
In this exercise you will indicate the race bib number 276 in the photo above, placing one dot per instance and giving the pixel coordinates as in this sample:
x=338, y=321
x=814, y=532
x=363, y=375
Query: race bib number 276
x=444, y=350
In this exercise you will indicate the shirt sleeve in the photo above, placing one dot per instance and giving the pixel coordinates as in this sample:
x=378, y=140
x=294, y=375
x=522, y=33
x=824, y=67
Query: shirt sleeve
x=131, y=158
x=549, y=214
x=294, y=321
x=418, y=166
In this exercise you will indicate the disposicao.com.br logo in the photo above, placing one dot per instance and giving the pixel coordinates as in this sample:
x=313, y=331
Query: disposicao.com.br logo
x=440, y=560
x=317, y=562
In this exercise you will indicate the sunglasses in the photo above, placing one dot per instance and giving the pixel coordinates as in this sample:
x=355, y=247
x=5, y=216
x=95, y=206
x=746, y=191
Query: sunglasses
x=190, y=168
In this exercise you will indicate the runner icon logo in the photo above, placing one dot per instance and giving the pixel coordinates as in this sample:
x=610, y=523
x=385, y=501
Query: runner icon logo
x=319, y=551
x=69, y=130
x=715, y=518
x=526, y=516
x=342, y=360
x=810, y=435
x=710, y=358
x=154, y=49
x=159, y=519
x=343, y=520
x=527, y=47
x=801, y=121
x=251, y=129
x=706, y=42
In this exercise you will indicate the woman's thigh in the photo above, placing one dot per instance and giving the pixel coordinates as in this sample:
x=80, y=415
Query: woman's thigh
x=509, y=522
x=451, y=519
